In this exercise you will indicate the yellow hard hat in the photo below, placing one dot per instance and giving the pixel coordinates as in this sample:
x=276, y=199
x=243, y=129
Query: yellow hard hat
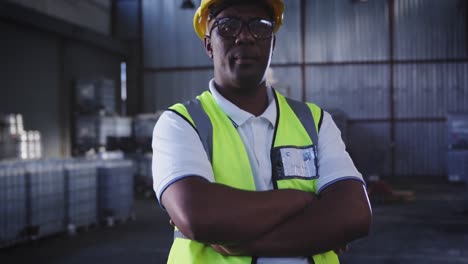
x=201, y=16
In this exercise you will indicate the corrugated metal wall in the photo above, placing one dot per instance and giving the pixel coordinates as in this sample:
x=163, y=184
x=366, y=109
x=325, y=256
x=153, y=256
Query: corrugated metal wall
x=426, y=92
x=170, y=48
x=174, y=86
x=340, y=30
x=420, y=148
x=431, y=90
x=169, y=39
x=396, y=67
x=427, y=29
x=361, y=91
x=288, y=81
x=288, y=41
x=428, y=84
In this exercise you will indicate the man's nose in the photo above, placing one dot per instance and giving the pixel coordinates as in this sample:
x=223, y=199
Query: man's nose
x=245, y=37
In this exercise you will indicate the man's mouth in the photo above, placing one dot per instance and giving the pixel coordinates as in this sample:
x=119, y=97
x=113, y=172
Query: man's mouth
x=245, y=59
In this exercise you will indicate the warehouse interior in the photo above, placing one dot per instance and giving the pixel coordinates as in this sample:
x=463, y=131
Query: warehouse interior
x=89, y=78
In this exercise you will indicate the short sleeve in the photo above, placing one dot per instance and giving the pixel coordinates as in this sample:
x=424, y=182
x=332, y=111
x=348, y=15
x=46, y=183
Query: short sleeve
x=334, y=162
x=177, y=153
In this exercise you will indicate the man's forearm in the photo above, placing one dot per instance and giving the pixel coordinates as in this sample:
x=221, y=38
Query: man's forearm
x=334, y=220
x=214, y=213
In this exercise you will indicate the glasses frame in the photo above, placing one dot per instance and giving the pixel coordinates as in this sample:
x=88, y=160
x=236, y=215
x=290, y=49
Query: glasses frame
x=243, y=24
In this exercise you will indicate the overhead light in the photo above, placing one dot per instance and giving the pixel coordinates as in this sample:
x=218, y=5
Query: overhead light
x=187, y=4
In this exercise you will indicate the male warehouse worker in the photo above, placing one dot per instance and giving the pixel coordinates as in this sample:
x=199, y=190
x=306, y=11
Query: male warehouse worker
x=245, y=174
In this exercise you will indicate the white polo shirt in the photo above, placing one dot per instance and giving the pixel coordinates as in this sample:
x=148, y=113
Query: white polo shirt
x=178, y=151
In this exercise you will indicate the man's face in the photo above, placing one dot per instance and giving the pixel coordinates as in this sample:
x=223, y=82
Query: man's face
x=240, y=61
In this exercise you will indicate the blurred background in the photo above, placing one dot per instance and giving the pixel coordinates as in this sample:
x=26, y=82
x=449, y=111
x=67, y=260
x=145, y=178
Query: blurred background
x=84, y=81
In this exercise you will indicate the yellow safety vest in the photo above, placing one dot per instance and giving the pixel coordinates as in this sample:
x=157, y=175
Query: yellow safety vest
x=296, y=135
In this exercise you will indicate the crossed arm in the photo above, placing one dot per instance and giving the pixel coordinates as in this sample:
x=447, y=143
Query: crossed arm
x=277, y=223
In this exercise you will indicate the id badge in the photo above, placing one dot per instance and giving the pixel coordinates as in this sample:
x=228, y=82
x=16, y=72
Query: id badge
x=297, y=162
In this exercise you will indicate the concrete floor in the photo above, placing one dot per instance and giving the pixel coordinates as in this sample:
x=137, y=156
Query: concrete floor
x=431, y=229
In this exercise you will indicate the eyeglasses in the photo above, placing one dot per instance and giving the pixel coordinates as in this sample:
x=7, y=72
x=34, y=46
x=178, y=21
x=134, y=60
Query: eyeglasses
x=231, y=27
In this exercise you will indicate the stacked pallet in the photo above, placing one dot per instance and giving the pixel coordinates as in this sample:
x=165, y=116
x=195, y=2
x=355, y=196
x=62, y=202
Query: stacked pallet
x=46, y=197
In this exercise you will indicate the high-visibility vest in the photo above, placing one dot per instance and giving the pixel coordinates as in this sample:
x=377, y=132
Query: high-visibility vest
x=293, y=159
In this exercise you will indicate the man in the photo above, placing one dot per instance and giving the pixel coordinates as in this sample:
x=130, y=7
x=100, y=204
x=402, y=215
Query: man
x=245, y=174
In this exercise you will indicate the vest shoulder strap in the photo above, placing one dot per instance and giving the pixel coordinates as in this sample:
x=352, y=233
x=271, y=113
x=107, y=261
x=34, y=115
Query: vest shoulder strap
x=304, y=112
x=192, y=111
x=202, y=123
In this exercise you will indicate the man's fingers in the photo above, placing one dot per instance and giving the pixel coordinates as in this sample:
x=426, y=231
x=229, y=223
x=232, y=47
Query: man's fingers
x=341, y=249
x=227, y=250
x=220, y=250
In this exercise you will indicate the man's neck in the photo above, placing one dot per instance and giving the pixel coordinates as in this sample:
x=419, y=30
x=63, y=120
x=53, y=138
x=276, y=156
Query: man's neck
x=253, y=100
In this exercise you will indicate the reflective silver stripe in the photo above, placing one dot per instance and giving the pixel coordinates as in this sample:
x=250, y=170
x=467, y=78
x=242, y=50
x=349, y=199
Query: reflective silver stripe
x=203, y=125
x=304, y=114
x=205, y=128
x=178, y=234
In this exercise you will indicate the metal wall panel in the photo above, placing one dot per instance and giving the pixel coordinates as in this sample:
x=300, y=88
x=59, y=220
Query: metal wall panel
x=431, y=90
x=30, y=82
x=361, y=91
x=288, y=81
x=163, y=89
x=168, y=36
x=369, y=147
x=126, y=26
x=421, y=149
x=88, y=62
x=288, y=39
x=430, y=29
x=340, y=30
x=93, y=14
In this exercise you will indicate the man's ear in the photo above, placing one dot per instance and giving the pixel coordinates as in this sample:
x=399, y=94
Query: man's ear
x=208, y=47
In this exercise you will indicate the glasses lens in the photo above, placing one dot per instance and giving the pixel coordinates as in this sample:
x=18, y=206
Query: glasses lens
x=229, y=27
x=261, y=28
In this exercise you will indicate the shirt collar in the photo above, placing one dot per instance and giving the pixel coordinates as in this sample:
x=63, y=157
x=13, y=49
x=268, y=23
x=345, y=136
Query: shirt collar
x=239, y=116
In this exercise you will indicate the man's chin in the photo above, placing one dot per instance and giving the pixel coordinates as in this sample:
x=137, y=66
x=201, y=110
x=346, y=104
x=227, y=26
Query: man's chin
x=248, y=80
